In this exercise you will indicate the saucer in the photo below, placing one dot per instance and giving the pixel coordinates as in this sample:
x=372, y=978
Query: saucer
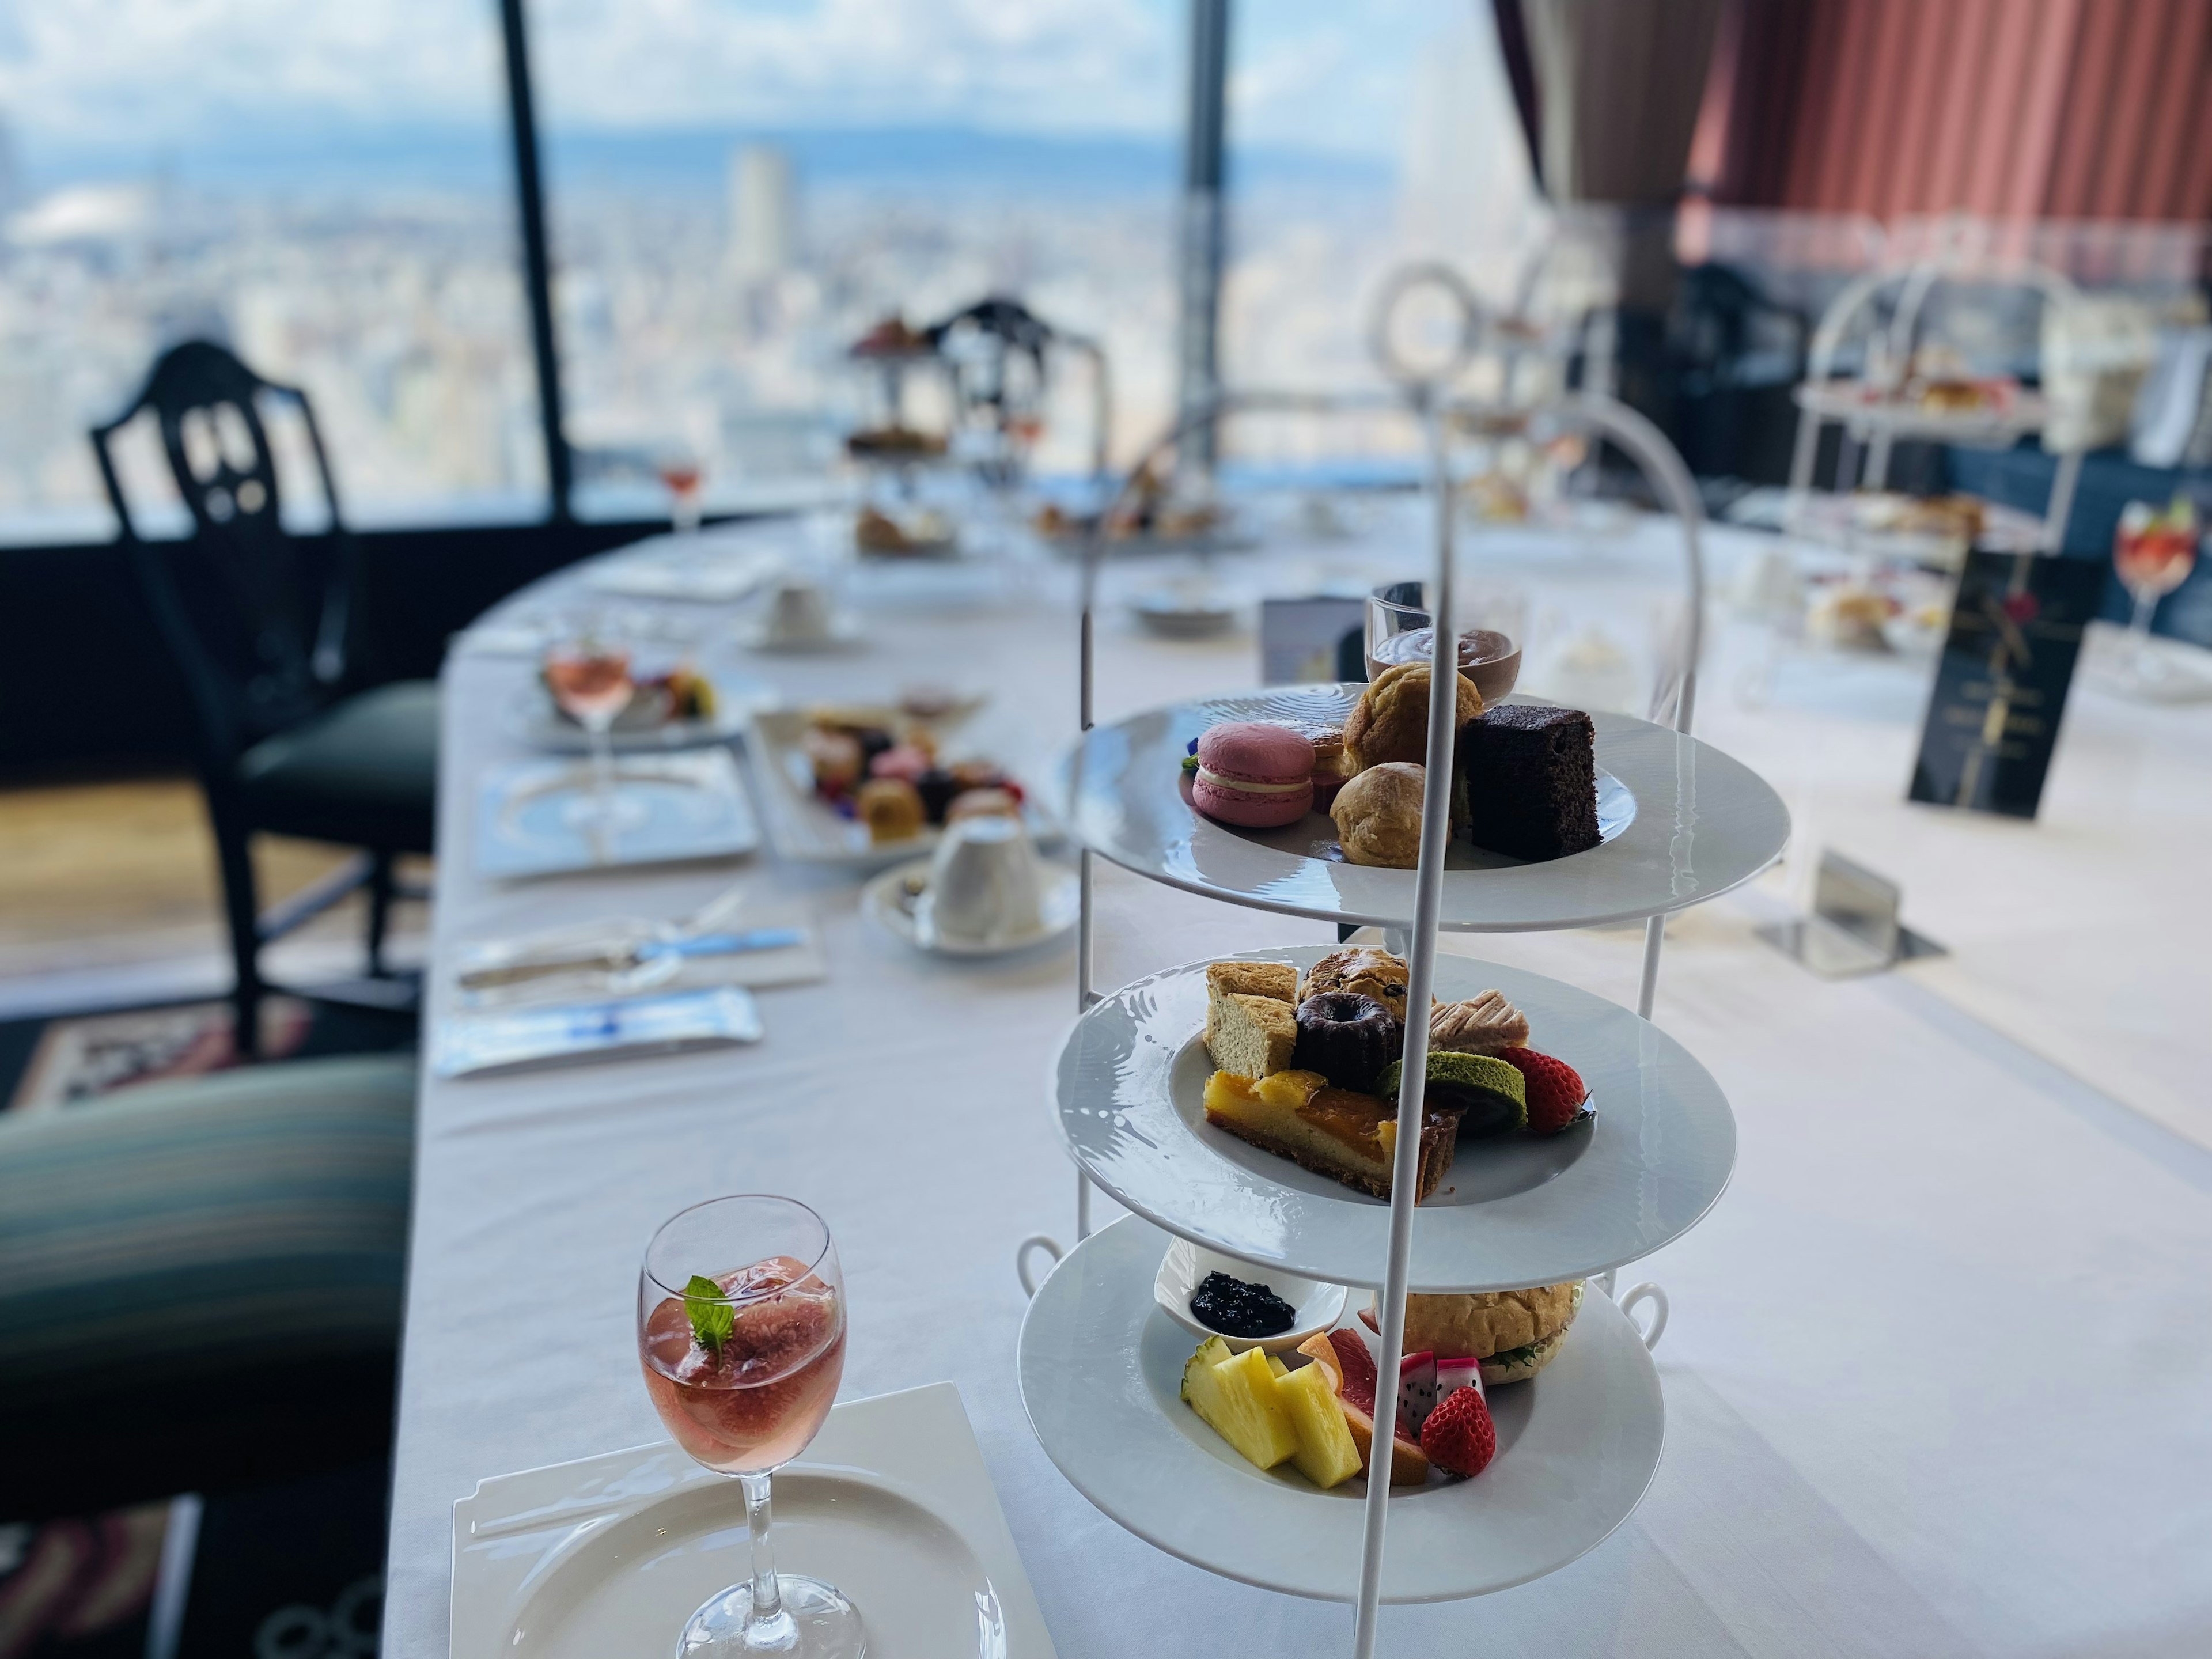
x=889, y=900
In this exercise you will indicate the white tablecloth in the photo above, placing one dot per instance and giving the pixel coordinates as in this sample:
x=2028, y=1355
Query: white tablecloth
x=1937, y=1371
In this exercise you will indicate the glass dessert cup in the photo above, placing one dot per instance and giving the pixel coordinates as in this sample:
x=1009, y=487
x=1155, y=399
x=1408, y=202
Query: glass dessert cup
x=588, y=676
x=1490, y=627
x=2153, y=554
x=741, y=1337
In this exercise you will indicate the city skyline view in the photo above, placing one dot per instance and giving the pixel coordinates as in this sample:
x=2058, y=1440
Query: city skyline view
x=364, y=247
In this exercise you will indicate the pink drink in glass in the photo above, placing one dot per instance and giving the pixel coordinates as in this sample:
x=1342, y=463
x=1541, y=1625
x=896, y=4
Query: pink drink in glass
x=755, y=1399
x=589, y=685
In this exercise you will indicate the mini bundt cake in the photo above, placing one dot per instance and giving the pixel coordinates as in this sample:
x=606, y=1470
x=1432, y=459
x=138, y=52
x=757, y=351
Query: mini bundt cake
x=1346, y=1037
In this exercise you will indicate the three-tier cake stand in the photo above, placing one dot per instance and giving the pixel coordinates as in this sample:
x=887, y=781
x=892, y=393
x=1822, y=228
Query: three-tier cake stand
x=1100, y=1362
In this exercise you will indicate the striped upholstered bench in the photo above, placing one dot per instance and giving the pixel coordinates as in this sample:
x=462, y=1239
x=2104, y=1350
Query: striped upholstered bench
x=200, y=1281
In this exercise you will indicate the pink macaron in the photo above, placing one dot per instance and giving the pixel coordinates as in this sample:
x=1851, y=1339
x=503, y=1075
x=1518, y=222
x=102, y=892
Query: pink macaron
x=1254, y=775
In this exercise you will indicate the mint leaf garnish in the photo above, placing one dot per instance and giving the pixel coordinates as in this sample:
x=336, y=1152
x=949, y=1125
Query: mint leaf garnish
x=711, y=1318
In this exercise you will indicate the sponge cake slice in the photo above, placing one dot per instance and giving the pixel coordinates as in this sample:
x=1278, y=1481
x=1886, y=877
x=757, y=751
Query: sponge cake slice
x=1251, y=1022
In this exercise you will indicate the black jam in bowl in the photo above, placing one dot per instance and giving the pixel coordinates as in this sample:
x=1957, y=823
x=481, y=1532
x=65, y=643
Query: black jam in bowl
x=1237, y=1309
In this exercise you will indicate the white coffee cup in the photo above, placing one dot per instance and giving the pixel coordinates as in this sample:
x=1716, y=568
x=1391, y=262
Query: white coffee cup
x=984, y=884
x=798, y=613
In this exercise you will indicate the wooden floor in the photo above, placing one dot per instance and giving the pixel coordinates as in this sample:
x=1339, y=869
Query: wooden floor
x=99, y=873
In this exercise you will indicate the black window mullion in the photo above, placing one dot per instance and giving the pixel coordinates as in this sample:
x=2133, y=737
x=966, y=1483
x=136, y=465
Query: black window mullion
x=537, y=264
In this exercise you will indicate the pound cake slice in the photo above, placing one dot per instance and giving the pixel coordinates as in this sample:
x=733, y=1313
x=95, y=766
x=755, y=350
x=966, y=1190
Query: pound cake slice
x=1251, y=1021
x=1348, y=1137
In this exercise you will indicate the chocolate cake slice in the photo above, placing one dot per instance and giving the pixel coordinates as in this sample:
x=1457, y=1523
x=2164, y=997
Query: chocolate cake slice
x=1531, y=776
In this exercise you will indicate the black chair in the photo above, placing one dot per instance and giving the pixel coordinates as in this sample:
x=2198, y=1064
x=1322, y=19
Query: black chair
x=258, y=619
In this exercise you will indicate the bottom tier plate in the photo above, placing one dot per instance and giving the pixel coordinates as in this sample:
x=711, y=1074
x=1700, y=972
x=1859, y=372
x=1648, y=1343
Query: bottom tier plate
x=1101, y=1373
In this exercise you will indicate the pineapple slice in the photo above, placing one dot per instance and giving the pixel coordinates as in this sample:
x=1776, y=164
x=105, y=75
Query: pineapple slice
x=1326, y=1455
x=1236, y=1399
x=1277, y=1366
x=1211, y=1353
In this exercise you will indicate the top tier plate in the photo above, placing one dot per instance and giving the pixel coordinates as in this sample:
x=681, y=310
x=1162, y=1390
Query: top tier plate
x=1686, y=825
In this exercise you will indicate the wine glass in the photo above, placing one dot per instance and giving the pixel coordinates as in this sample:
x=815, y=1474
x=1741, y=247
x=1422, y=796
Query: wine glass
x=741, y=1336
x=1491, y=630
x=2154, y=553
x=588, y=672
x=679, y=473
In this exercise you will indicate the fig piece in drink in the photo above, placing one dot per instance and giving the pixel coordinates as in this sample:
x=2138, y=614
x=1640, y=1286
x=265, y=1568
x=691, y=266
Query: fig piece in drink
x=744, y=1367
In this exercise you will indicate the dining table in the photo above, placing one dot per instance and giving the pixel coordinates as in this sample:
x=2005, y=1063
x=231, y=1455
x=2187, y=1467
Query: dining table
x=1936, y=1373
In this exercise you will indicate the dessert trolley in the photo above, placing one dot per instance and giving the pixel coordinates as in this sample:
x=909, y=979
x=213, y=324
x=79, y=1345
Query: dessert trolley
x=1100, y=1362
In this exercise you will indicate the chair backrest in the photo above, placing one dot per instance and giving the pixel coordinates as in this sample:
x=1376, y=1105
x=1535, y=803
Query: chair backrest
x=258, y=624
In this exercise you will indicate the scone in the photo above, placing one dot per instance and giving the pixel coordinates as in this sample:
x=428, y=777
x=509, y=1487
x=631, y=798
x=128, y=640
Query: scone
x=1251, y=1021
x=891, y=809
x=1361, y=970
x=1390, y=722
x=1378, y=816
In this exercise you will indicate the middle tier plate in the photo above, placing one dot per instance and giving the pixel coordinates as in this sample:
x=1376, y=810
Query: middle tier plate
x=1683, y=824
x=1510, y=1213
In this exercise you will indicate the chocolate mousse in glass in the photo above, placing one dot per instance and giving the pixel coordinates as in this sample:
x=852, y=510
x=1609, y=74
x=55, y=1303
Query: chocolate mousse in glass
x=1399, y=631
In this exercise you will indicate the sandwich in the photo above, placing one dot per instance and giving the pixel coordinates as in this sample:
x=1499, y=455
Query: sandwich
x=1515, y=1333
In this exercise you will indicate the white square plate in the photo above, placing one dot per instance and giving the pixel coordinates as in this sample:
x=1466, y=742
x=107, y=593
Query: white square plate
x=606, y=1557
x=676, y=807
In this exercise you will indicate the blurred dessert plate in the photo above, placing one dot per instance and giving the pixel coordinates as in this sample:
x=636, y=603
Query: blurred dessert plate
x=1191, y=611
x=875, y=813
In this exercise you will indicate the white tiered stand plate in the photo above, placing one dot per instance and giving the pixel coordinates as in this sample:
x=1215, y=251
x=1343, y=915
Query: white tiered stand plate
x=1696, y=824
x=1101, y=1368
x=1511, y=1212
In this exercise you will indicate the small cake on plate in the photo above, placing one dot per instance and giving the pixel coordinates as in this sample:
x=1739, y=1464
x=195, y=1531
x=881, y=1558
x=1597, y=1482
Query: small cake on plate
x=1481, y=1025
x=1531, y=775
x=1346, y=1136
x=1363, y=970
x=1251, y=1027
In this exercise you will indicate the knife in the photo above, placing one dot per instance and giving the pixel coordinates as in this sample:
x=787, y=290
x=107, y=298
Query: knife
x=632, y=956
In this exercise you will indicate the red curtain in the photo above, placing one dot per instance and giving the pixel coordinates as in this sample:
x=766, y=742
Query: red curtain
x=2074, y=109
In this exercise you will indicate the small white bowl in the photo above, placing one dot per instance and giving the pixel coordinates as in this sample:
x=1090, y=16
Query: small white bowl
x=1314, y=1306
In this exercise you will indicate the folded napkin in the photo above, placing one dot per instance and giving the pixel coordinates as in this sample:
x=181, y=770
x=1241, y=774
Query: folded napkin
x=519, y=1039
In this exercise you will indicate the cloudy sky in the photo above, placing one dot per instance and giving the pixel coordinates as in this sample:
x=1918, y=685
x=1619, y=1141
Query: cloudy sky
x=1326, y=74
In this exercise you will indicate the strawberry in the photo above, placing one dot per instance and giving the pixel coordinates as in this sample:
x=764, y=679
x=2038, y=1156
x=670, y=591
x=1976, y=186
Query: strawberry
x=1555, y=1093
x=1458, y=1437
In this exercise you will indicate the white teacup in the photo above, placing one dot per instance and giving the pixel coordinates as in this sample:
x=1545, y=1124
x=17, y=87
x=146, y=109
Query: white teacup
x=984, y=884
x=798, y=613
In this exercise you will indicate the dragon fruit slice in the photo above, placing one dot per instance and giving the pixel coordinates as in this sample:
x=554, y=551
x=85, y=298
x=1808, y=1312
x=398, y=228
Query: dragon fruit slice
x=1456, y=1373
x=1416, y=1391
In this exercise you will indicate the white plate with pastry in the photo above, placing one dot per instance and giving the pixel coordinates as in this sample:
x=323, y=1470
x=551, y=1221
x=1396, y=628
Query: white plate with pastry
x=1651, y=1156
x=1680, y=823
x=1101, y=1366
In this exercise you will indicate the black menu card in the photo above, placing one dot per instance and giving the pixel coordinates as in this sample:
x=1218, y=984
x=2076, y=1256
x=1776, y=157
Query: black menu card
x=2001, y=683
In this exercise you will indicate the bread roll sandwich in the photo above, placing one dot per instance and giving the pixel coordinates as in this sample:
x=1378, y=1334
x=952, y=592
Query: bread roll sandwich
x=1515, y=1333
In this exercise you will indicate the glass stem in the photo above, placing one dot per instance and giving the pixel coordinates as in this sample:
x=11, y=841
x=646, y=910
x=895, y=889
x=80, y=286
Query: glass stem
x=768, y=1600
x=2146, y=603
x=603, y=787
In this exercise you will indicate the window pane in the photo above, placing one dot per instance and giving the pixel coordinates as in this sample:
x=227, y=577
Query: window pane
x=1361, y=138
x=739, y=190
x=325, y=188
